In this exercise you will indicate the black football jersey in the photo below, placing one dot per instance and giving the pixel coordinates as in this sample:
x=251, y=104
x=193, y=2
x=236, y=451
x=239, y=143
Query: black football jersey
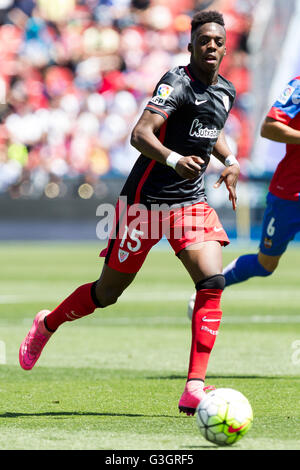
x=194, y=115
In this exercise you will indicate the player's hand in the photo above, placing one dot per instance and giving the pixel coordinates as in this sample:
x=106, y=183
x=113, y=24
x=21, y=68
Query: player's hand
x=189, y=167
x=230, y=177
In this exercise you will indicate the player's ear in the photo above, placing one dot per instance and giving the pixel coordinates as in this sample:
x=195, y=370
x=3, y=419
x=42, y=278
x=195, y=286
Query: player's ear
x=225, y=51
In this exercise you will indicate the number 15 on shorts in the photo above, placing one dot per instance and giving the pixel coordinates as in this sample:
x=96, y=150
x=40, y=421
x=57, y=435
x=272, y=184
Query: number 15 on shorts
x=132, y=245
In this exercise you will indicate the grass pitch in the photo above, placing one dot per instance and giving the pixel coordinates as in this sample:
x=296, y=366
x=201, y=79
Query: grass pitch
x=113, y=380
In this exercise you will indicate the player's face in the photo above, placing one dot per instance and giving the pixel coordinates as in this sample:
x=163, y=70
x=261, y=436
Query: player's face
x=208, y=47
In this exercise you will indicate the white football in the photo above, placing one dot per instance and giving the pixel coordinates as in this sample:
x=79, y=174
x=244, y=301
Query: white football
x=224, y=416
x=191, y=305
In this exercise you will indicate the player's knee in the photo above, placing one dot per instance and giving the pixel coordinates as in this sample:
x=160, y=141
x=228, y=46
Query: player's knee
x=269, y=263
x=213, y=282
x=268, y=269
x=109, y=299
x=106, y=295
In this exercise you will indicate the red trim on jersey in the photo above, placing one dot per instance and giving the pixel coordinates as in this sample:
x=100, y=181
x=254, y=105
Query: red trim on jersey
x=161, y=137
x=279, y=115
x=157, y=109
x=162, y=133
x=188, y=73
x=142, y=181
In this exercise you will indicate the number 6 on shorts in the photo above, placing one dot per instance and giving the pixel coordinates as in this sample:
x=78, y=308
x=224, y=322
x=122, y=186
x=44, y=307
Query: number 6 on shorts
x=271, y=227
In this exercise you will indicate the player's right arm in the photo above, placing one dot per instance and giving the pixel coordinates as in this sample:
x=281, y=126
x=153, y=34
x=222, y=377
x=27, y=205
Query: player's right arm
x=144, y=139
x=279, y=132
x=167, y=98
x=276, y=125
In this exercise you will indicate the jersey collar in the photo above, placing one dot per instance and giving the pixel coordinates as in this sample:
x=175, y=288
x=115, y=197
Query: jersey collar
x=189, y=72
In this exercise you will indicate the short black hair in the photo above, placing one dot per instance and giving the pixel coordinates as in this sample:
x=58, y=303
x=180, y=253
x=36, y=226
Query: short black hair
x=203, y=17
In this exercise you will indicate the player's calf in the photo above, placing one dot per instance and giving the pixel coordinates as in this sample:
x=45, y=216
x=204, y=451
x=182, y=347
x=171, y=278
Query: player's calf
x=107, y=294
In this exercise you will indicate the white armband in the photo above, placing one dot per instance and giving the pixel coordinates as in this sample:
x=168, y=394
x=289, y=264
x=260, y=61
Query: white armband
x=173, y=159
x=231, y=160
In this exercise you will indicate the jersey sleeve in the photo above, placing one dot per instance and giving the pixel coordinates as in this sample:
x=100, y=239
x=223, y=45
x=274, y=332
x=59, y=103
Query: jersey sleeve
x=287, y=105
x=167, y=96
x=232, y=98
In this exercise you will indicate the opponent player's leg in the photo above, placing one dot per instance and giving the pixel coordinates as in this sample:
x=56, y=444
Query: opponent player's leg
x=250, y=265
x=278, y=228
x=203, y=261
x=82, y=302
x=245, y=267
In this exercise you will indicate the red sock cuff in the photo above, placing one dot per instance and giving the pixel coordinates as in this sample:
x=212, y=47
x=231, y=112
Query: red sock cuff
x=208, y=299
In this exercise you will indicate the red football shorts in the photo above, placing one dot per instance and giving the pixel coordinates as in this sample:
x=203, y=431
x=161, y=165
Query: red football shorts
x=136, y=230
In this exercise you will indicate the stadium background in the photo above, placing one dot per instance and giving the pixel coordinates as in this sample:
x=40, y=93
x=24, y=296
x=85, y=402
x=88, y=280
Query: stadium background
x=74, y=78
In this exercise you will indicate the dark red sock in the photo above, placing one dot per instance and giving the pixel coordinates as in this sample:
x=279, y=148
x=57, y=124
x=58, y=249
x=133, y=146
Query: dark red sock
x=205, y=324
x=79, y=304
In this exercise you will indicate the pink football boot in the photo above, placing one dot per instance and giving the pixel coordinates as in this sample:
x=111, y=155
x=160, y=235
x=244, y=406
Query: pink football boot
x=192, y=395
x=34, y=342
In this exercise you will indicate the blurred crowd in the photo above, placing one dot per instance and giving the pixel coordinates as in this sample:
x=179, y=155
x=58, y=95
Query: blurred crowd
x=76, y=74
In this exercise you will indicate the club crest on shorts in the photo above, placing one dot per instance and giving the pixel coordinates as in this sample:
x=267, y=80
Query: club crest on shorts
x=268, y=242
x=122, y=255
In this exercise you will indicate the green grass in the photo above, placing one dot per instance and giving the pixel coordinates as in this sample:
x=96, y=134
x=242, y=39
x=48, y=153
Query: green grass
x=113, y=380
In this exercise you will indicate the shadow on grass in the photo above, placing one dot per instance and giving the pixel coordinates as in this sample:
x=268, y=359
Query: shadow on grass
x=231, y=377
x=83, y=413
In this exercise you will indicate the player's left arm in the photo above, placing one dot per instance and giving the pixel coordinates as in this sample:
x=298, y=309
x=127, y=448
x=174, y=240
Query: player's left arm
x=231, y=173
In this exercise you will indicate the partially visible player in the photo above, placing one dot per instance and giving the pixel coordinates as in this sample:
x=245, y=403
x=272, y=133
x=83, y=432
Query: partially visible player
x=180, y=128
x=282, y=215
